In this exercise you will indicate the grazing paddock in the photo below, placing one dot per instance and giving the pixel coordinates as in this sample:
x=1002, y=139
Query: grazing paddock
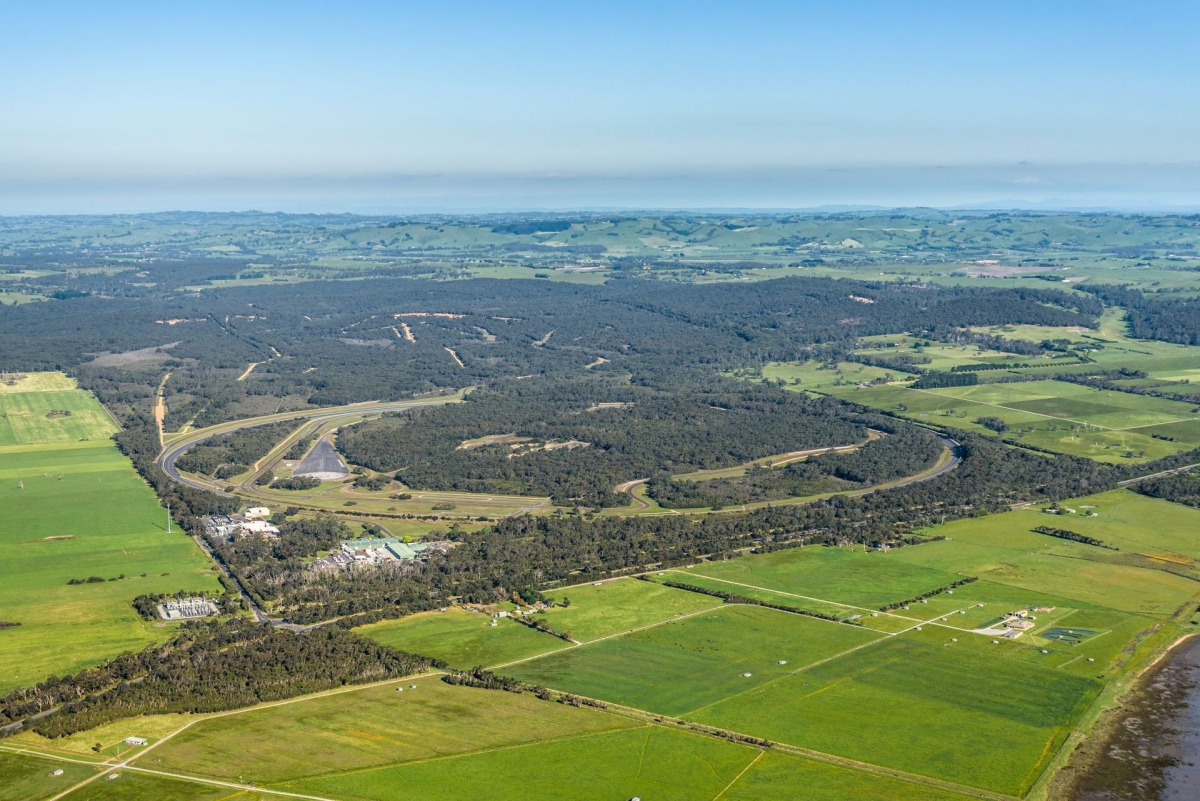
x=649, y=762
x=28, y=778
x=917, y=704
x=680, y=666
x=461, y=638
x=69, y=415
x=73, y=511
x=618, y=606
x=842, y=575
x=367, y=728
x=780, y=777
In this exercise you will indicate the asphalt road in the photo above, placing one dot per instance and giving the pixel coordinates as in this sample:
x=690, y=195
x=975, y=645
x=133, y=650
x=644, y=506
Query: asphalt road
x=171, y=453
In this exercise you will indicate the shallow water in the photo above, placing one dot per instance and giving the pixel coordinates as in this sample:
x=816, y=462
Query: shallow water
x=1152, y=753
x=1182, y=780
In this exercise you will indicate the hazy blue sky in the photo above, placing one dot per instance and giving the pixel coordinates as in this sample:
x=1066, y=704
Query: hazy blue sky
x=407, y=106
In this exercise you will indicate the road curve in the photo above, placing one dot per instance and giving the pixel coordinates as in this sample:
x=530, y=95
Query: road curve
x=171, y=453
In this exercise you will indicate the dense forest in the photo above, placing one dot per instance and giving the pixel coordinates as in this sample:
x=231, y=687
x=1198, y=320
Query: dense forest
x=1183, y=488
x=1171, y=319
x=335, y=342
x=576, y=440
x=229, y=454
x=904, y=452
x=520, y=552
x=207, y=667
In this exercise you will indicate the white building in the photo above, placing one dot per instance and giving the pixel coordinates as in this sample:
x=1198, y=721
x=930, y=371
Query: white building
x=258, y=512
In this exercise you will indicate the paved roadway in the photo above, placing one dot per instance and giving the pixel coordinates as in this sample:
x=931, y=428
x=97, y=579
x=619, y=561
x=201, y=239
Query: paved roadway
x=171, y=453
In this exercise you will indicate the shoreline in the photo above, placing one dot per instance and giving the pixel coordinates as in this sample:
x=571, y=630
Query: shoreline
x=1133, y=744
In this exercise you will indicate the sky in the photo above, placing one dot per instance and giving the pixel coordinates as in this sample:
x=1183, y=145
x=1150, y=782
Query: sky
x=479, y=106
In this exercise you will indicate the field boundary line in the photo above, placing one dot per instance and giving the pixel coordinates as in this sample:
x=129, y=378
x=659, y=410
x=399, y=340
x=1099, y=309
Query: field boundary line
x=245, y=788
x=704, y=730
x=1020, y=411
x=791, y=594
x=442, y=757
x=1052, y=417
x=609, y=637
x=753, y=762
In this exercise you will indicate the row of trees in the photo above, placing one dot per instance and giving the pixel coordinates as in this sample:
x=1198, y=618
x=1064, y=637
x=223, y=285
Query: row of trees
x=207, y=667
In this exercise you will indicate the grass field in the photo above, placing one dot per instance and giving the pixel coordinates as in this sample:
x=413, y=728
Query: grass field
x=133, y=786
x=778, y=777
x=816, y=376
x=463, y=639
x=842, y=575
x=1105, y=425
x=74, y=415
x=369, y=728
x=617, y=606
x=679, y=666
x=26, y=778
x=918, y=704
x=647, y=762
x=73, y=510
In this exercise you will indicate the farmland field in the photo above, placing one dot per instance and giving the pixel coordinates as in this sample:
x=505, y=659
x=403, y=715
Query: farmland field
x=1106, y=425
x=776, y=777
x=368, y=728
x=903, y=702
x=842, y=575
x=617, y=606
x=679, y=666
x=649, y=761
x=47, y=407
x=27, y=778
x=461, y=638
x=74, y=510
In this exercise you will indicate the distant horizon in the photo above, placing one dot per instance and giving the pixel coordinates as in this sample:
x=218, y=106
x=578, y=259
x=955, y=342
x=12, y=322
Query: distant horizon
x=1145, y=188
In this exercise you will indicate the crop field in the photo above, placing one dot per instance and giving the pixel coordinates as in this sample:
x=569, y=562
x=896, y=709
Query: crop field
x=372, y=727
x=903, y=703
x=684, y=665
x=461, y=638
x=843, y=575
x=648, y=762
x=612, y=607
x=132, y=786
x=46, y=407
x=75, y=510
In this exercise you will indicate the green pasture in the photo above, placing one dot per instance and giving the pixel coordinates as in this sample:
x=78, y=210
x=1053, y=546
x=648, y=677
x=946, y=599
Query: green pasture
x=914, y=704
x=694, y=579
x=1084, y=583
x=649, y=762
x=72, y=511
x=614, y=607
x=109, y=736
x=28, y=778
x=462, y=638
x=842, y=575
x=1003, y=549
x=780, y=777
x=367, y=728
x=24, y=421
x=684, y=665
x=1055, y=415
x=1073, y=403
x=814, y=375
x=133, y=786
x=942, y=355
